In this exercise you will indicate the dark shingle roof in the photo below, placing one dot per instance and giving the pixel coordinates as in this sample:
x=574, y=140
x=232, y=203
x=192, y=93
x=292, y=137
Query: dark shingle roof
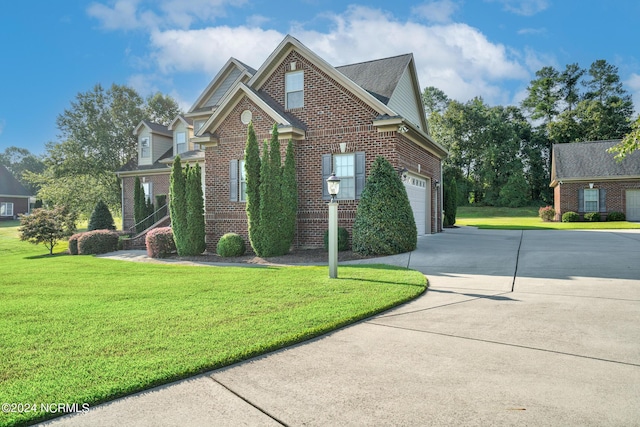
x=132, y=165
x=9, y=185
x=379, y=77
x=158, y=128
x=591, y=160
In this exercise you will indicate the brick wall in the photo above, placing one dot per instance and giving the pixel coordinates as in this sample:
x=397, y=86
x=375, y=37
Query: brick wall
x=20, y=205
x=160, y=185
x=566, y=195
x=332, y=116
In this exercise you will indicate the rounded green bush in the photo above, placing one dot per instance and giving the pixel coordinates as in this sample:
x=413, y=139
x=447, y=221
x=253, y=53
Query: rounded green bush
x=343, y=239
x=570, y=217
x=616, y=216
x=592, y=216
x=230, y=245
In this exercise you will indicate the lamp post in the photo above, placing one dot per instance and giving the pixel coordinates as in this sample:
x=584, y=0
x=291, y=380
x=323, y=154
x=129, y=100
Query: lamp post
x=333, y=185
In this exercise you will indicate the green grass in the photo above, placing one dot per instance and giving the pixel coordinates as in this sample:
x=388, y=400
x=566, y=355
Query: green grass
x=527, y=219
x=81, y=329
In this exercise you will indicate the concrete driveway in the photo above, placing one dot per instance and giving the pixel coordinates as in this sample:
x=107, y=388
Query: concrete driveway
x=517, y=328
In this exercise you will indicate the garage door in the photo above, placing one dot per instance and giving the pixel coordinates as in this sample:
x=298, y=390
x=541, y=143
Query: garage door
x=417, y=192
x=633, y=205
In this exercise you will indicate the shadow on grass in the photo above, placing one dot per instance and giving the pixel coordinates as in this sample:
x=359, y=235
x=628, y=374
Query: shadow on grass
x=47, y=256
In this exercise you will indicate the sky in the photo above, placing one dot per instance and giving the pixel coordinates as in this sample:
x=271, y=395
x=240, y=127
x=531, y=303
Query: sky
x=53, y=50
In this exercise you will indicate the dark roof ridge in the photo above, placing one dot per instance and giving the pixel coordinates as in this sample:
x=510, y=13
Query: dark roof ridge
x=375, y=60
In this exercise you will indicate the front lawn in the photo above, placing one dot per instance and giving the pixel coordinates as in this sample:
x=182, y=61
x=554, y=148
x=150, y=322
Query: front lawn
x=527, y=219
x=81, y=329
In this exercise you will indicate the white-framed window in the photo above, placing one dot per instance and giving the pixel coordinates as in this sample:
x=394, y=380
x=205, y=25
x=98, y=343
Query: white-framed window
x=6, y=209
x=147, y=187
x=145, y=148
x=294, y=89
x=344, y=168
x=197, y=125
x=181, y=142
x=591, y=198
x=242, y=179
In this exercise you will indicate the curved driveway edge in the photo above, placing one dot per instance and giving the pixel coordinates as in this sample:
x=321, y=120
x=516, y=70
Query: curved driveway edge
x=516, y=328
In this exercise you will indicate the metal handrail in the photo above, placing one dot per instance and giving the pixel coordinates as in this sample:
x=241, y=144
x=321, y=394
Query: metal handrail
x=133, y=228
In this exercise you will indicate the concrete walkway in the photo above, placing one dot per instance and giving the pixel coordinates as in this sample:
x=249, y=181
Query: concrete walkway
x=517, y=328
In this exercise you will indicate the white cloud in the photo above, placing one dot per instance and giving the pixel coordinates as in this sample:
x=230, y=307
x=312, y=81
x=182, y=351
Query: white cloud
x=436, y=11
x=524, y=7
x=633, y=82
x=532, y=31
x=121, y=16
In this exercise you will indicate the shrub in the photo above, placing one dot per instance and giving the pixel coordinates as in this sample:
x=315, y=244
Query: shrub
x=570, y=217
x=73, y=243
x=231, y=244
x=161, y=204
x=450, y=202
x=195, y=212
x=101, y=218
x=592, y=216
x=343, y=239
x=97, y=242
x=384, y=223
x=547, y=213
x=160, y=242
x=616, y=216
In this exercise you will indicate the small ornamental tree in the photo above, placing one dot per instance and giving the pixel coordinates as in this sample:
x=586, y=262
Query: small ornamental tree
x=384, y=223
x=46, y=226
x=252, y=166
x=101, y=218
x=178, y=206
x=195, y=212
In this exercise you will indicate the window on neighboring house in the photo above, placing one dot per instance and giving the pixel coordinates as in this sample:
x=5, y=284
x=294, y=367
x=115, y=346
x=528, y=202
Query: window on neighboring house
x=294, y=90
x=237, y=181
x=6, y=209
x=147, y=187
x=197, y=124
x=181, y=142
x=349, y=168
x=591, y=198
x=145, y=149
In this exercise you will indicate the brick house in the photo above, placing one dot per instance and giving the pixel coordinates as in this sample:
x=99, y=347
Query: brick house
x=585, y=178
x=339, y=118
x=14, y=198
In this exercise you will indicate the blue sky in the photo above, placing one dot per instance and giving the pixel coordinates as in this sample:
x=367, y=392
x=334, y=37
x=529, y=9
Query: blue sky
x=53, y=50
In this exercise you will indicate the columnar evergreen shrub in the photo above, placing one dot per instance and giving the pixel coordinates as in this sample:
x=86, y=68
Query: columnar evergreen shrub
x=178, y=207
x=73, y=243
x=592, y=216
x=271, y=198
x=98, y=242
x=384, y=223
x=161, y=205
x=616, y=216
x=195, y=212
x=570, y=217
x=139, y=205
x=160, y=243
x=450, y=202
x=252, y=166
x=547, y=213
x=101, y=218
x=231, y=245
x=343, y=239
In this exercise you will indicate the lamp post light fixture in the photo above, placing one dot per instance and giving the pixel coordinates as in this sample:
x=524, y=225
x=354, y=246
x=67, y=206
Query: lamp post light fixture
x=333, y=185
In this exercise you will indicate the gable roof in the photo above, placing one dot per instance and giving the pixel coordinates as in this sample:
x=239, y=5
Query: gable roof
x=188, y=122
x=132, y=166
x=9, y=185
x=590, y=161
x=379, y=77
x=153, y=128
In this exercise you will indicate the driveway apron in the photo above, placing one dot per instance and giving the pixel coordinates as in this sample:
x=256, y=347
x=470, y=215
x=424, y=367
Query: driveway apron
x=516, y=328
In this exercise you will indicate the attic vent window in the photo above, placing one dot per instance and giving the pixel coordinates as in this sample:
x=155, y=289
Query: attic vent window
x=293, y=66
x=246, y=117
x=294, y=90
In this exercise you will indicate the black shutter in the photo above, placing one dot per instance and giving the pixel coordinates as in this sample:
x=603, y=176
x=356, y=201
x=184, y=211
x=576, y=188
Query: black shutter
x=360, y=166
x=581, y=200
x=327, y=168
x=602, y=194
x=233, y=180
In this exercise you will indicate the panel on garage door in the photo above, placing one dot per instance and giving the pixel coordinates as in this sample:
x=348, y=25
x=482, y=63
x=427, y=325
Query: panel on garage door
x=633, y=205
x=417, y=192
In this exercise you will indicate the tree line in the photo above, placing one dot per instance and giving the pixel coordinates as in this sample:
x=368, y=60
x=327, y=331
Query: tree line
x=501, y=155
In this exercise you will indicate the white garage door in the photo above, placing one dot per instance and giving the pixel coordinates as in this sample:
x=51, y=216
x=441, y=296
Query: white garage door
x=417, y=192
x=633, y=205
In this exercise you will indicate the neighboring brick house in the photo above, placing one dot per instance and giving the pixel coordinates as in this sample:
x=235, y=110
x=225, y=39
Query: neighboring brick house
x=14, y=198
x=339, y=118
x=585, y=178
